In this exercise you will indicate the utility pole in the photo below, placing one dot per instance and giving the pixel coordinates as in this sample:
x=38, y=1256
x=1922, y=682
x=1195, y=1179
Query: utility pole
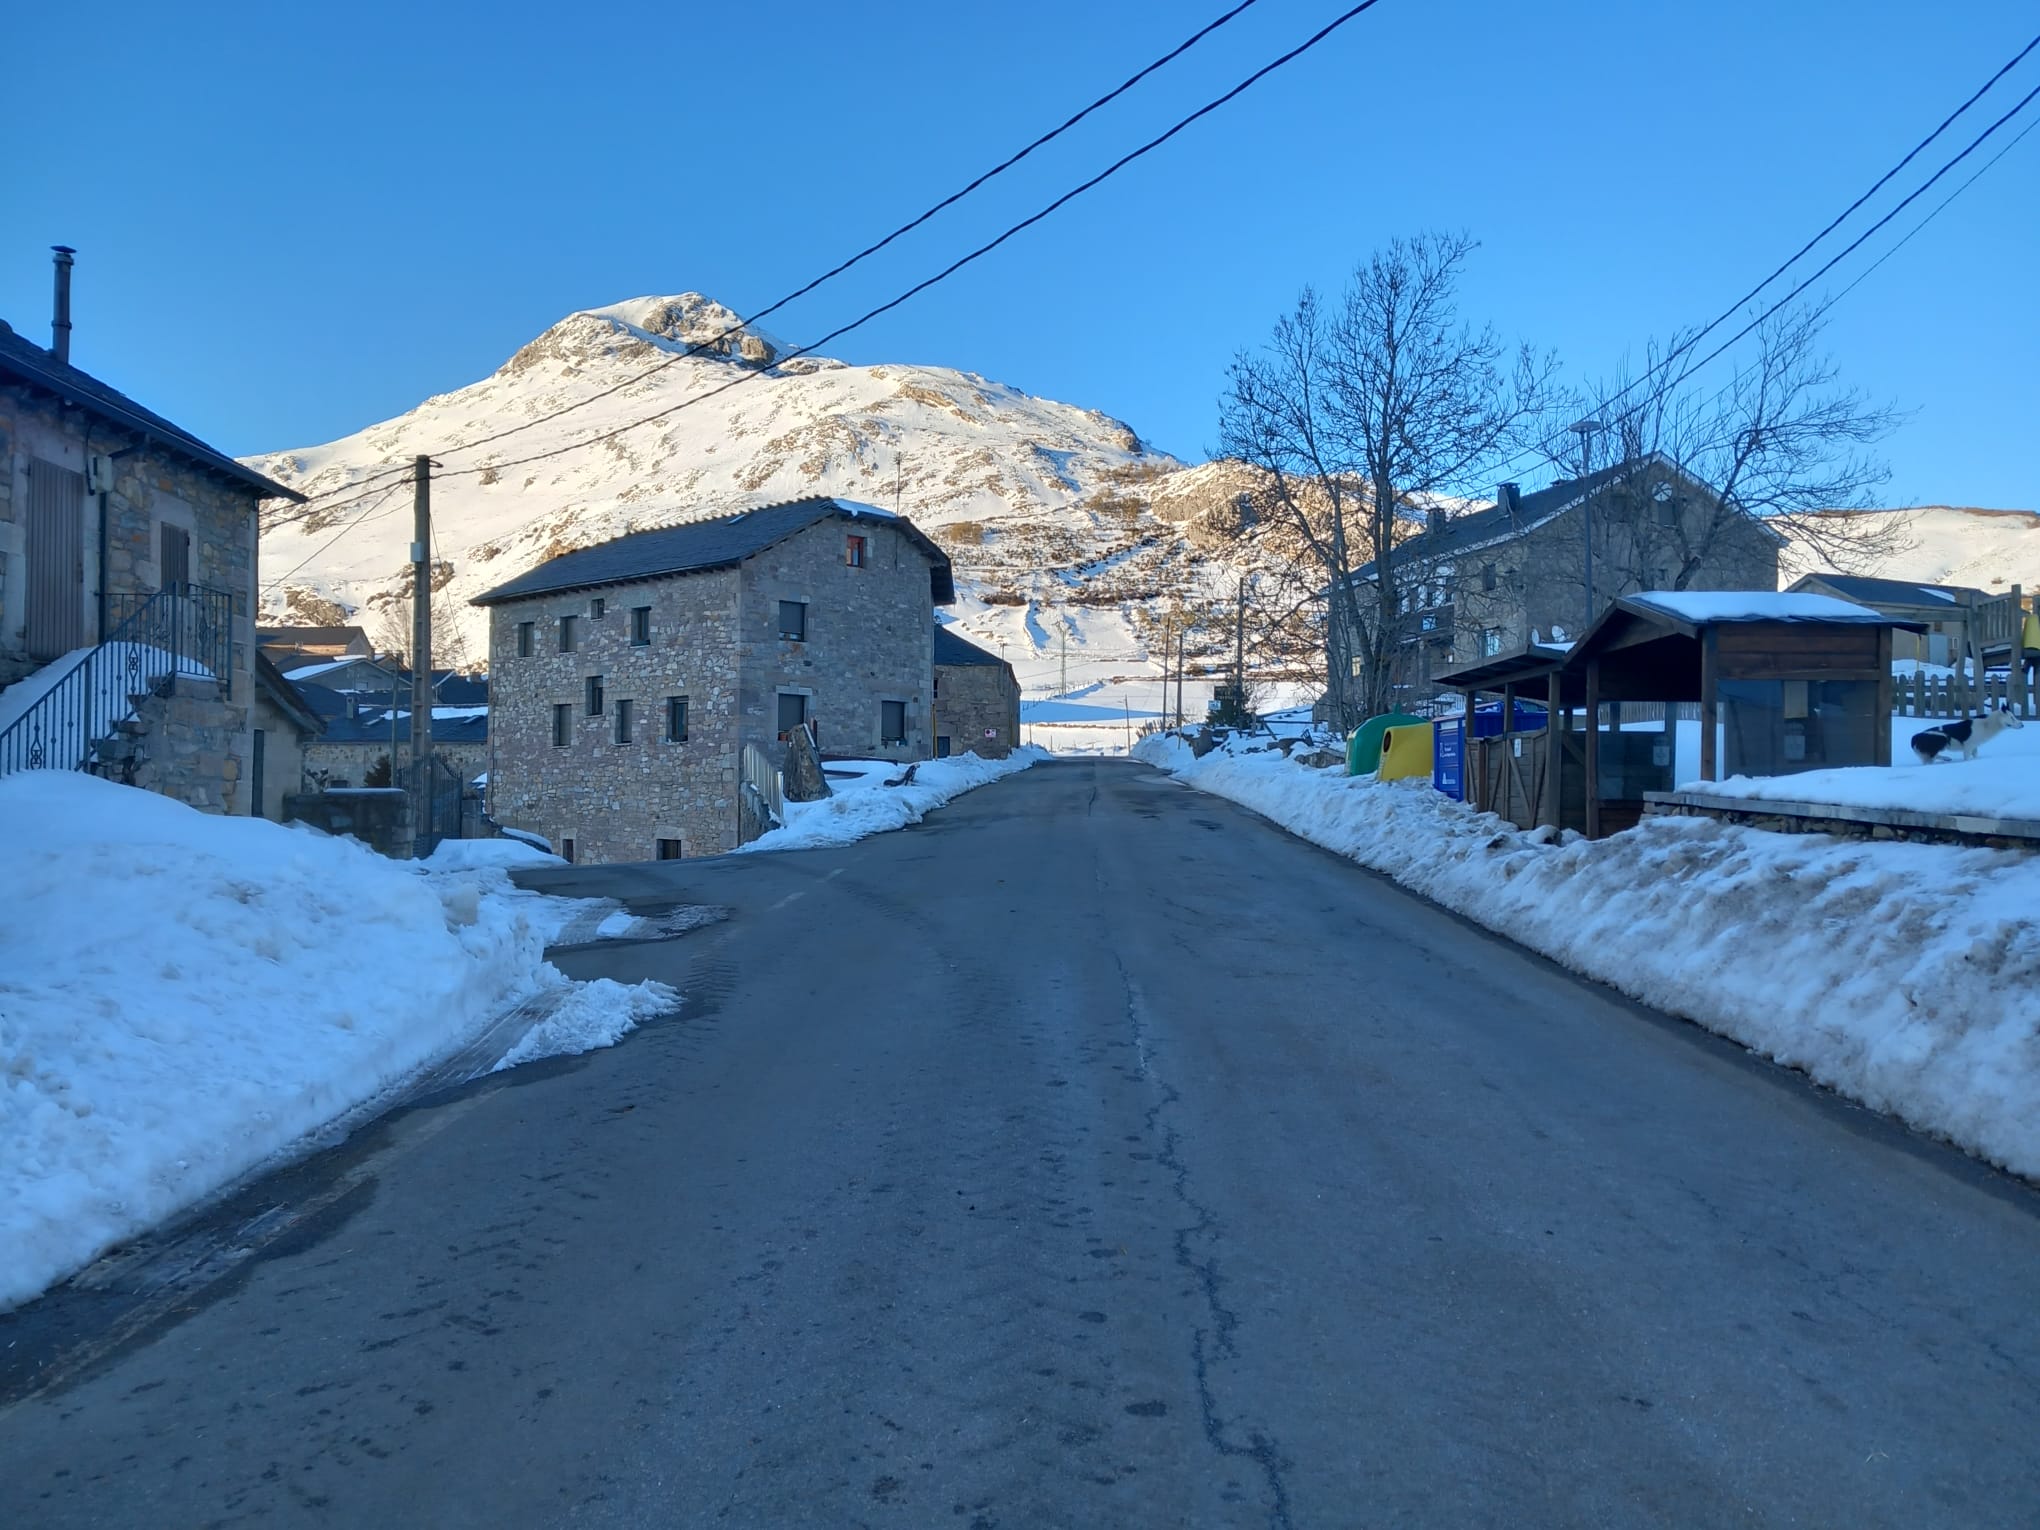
x=1065, y=658
x=1585, y=430
x=421, y=644
x=1182, y=639
x=1239, y=662
x=1127, y=702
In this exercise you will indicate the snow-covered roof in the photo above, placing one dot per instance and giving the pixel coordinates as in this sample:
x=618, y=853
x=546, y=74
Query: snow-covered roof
x=1754, y=606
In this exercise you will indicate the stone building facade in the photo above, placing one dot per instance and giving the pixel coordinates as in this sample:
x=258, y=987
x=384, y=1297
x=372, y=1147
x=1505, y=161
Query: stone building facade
x=977, y=700
x=103, y=504
x=626, y=679
x=1480, y=585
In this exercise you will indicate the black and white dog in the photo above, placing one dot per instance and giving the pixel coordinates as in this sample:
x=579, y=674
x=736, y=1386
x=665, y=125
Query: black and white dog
x=1965, y=737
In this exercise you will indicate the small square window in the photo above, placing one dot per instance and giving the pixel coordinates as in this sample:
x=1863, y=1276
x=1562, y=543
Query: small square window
x=594, y=695
x=567, y=633
x=596, y=607
x=563, y=725
x=1487, y=576
x=676, y=719
x=622, y=709
x=793, y=620
x=792, y=712
x=670, y=850
x=892, y=722
x=853, y=551
x=640, y=626
x=524, y=638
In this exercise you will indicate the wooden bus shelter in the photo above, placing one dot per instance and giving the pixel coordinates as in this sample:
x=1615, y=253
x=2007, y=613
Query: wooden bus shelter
x=1782, y=683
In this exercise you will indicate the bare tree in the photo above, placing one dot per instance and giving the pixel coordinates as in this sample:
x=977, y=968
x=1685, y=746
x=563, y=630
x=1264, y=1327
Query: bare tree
x=1361, y=417
x=1781, y=445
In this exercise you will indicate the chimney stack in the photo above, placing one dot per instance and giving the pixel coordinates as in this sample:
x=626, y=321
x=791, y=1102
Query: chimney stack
x=60, y=322
x=1509, y=498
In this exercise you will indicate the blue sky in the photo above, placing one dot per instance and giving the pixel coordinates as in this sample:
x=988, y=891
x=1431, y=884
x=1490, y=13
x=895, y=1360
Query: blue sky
x=294, y=221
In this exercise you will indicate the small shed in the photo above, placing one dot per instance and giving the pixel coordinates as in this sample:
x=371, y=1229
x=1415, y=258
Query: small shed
x=1783, y=682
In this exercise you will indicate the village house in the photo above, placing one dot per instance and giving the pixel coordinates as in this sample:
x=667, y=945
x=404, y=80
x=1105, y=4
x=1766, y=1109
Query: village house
x=285, y=730
x=628, y=678
x=977, y=700
x=127, y=584
x=292, y=646
x=1943, y=612
x=1496, y=580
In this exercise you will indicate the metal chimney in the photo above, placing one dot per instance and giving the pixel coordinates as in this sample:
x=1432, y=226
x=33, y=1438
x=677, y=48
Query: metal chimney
x=60, y=323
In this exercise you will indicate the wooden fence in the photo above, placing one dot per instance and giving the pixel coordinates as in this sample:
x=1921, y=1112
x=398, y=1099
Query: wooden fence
x=1920, y=695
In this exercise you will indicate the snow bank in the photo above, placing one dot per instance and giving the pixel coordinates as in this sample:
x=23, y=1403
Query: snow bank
x=1905, y=976
x=2003, y=781
x=866, y=806
x=184, y=996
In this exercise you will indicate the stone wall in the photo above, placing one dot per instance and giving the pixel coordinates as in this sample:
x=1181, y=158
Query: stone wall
x=379, y=817
x=182, y=743
x=870, y=639
x=972, y=700
x=350, y=762
x=151, y=489
x=617, y=801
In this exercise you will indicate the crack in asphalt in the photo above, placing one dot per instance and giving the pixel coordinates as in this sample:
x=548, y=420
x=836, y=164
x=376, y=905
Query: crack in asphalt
x=1215, y=1341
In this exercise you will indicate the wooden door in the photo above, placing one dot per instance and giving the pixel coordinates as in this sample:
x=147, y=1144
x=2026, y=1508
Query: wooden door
x=56, y=560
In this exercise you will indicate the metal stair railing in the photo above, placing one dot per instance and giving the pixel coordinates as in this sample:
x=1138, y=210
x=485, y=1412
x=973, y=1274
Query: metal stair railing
x=183, y=630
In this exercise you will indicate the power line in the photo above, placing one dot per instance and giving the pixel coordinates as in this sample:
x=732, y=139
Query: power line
x=351, y=525
x=957, y=265
x=1729, y=312
x=702, y=346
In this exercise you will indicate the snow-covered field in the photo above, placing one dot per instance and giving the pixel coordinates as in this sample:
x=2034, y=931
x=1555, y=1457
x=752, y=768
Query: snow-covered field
x=1904, y=976
x=862, y=804
x=184, y=997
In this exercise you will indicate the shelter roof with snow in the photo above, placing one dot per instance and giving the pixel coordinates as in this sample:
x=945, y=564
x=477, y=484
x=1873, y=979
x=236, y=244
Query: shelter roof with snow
x=716, y=542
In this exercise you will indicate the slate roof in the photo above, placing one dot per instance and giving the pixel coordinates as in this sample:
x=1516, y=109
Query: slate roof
x=1895, y=592
x=293, y=702
x=29, y=362
x=374, y=728
x=451, y=689
x=1463, y=533
x=695, y=546
x=311, y=637
x=953, y=648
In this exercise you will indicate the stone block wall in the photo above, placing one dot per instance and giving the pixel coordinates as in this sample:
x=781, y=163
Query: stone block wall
x=350, y=762
x=151, y=488
x=973, y=700
x=617, y=801
x=183, y=744
x=870, y=639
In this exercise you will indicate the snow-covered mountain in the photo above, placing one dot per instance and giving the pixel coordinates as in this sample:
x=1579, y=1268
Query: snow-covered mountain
x=1953, y=544
x=1051, y=513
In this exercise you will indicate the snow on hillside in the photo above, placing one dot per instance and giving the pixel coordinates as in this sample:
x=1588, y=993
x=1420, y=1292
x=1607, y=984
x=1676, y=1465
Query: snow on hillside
x=1952, y=544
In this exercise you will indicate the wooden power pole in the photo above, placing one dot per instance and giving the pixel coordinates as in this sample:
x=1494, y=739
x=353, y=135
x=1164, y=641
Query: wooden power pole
x=421, y=644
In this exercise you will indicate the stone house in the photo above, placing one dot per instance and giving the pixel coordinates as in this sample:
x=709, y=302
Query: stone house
x=1490, y=582
x=627, y=679
x=285, y=729
x=292, y=646
x=355, y=746
x=977, y=700
x=127, y=584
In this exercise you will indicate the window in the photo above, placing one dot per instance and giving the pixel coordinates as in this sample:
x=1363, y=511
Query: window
x=563, y=725
x=793, y=620
x=524, y=634
x=670, y=850
x=622, y=709
x=892, y=722
x=1490, y=642
x=596, y=607
x=942, y=746
x=640, y=626
x=567, y=851
x=853, y=551
x=676, y=719
x=567, y=634
x=1487, y=576
x=792, y=712
x=176, y=557
x=594, y=695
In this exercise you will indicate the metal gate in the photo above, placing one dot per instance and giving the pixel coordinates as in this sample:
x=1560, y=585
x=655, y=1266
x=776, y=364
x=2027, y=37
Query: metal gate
x=56, y=560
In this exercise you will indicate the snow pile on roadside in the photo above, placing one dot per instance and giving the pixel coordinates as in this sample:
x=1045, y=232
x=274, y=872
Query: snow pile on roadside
x=1905, y=976
x=183, y=997
x=2003, y=781
x=866, y=806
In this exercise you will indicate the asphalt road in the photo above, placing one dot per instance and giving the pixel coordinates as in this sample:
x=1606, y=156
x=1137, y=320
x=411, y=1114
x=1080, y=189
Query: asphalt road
x=1093, y=1154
